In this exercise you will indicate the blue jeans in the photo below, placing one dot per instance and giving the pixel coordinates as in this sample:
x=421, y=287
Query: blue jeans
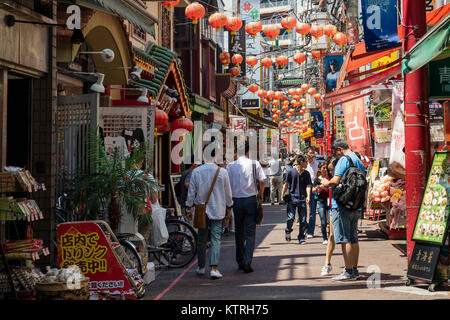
x=300, y=207
x=215, y=226
x=322, y=208
x=244, y=210
x=345, y=225
x=312, y=215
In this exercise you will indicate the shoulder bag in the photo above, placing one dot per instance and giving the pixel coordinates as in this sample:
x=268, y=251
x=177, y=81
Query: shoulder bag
x=200, y=209
x=259, y=208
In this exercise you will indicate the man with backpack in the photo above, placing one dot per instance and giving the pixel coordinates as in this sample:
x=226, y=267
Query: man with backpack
x=349, y=187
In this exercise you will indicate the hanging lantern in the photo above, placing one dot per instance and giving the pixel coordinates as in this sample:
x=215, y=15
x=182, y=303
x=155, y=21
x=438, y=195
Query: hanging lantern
x=298, y=91
x=316, y=31
x=270, y=94
x=302, y=111
x=303, y=29
x=294, y=103
x=276, y=102
x=286, y=103
x=330, y=30
x=283, y=130
x=262, y=93
x=253, y=88
x=296, y=97
x=316, y=54
x=288, y=115
x=291, y=111
x=302, y=101
x=274, y=110
x=182, y=123
x=195, y=11
x=266, y=101
x=224, y=58
x=312, y=91
x=235, y=71
x=291, y=91
x=340, y=39
x=253, y=28
x=317, y=96
x=278, y=112
x=300, y=57
x=282, y=60
x=170, y=4
x=251, y=61
x=279, y=95
x=233, y=24
x=161, y=118
x=285, y=108
x=288, y=23
x=271, y=31
x=275, y=116
x=305, y=87
x=237, y=59
x=217, y=20
x=266, y=62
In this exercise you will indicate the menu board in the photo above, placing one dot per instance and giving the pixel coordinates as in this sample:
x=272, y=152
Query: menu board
x=431, y=224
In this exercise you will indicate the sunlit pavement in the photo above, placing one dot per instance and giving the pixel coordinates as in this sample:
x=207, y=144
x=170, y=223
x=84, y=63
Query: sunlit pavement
x=289, y=271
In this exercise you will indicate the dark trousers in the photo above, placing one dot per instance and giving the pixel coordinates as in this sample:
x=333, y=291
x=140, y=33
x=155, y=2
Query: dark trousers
x=244, y=210
x=300, y=207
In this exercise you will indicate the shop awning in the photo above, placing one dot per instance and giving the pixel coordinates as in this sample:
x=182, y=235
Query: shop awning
x=356, y=87
x=130, y=10
x=430, y=46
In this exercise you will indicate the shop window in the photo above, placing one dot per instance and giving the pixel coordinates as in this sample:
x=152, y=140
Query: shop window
x=139, y=33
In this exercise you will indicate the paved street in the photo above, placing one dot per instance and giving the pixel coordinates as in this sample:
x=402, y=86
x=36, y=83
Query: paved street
x=288, y=271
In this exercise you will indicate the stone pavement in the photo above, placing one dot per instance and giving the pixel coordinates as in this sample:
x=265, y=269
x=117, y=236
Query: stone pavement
x=289, y=271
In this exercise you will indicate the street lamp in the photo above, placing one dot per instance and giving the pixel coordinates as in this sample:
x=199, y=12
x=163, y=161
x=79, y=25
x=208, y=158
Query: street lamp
x=142, y=98
x=107, y=55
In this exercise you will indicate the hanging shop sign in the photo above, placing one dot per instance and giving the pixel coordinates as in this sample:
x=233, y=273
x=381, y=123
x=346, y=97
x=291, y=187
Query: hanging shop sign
x=380, y=24
x=398, y=124
x=250, y=103
x=436, y=111
x=332, y=66
x=238, y=123
x=356, y=126
x=341, y=131
x=384, y=61
x=439, y=78
x=432, y=221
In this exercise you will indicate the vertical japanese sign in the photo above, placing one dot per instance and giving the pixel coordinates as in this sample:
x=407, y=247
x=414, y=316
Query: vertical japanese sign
x=356, y=124
x=439, y=78
x=84, y=244
x=380, y=24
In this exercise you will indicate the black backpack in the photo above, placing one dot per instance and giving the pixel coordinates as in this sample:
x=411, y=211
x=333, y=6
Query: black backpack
x=350, y=193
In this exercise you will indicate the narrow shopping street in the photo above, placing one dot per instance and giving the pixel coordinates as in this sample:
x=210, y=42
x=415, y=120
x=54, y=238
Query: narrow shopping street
x=288, y=271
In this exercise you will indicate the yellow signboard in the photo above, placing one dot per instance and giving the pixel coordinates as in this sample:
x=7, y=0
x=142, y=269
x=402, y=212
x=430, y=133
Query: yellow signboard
x=385, y=60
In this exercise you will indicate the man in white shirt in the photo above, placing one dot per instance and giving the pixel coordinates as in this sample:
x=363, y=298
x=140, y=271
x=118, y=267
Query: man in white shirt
x=243, y=173
x=312, y=166
x=217, y=208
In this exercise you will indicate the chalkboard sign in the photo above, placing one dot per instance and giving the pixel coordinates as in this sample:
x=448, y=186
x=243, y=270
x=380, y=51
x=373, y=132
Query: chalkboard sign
x=423, y=262
x=174, y=179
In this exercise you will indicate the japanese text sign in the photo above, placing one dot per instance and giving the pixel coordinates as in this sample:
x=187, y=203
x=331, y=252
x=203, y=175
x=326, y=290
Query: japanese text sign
x=356, y=124
x=423, y=262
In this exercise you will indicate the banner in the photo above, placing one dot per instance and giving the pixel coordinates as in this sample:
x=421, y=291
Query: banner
x=398, y=124
x=332, y=67
x=380, y=24
x=356, y=124
x=317, y=124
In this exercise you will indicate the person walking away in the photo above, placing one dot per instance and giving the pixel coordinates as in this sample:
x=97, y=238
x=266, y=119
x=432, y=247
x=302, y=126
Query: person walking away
x=181, y=189
x=266, y=170
x=320, y=194
x=243, y=173
x=298, y=181
x=276, y=179
x=218, y=207
x=326, y=269
x=345, y=222
x=312, y=165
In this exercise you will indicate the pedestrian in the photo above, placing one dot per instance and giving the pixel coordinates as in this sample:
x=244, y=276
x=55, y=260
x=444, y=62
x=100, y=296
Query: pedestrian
x=320, y=195
x=266, y=170
x=228, y=224
x=244, y=175
x=312, y=165
x=298, y=181
x=276, y=179
x=210, y=180
x=181, y=188
x=326, y=269
x=345, y=222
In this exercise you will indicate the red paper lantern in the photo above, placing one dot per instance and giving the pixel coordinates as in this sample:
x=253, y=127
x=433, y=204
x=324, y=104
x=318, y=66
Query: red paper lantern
x=283, y=130
x=253, y=28
x=288, y=115
x=303, y=29
x=233, y=24
x=266, y=101
x=224, y=58
x=253, y=88
x=195, y=11
x=181, y=123
x=251, y=61
x=285, y=103
x=316, y=31
x=235, y=71
x=317, y=96
x=294, y=103
x=262, y=93
x=170, y=4
x=274, y=116
x=271, y=31
x=270, y=94
x=266, y=62
x=302, y=111
x=330, y=30
x=303, y=101
x=217, y=20
x=288, y=23
x=291, y=91
x=279, y=95
x=312, y=91
x=285, y=108
x=340, y=39
x=276, y=102
x=291, y=110
x=237, y=59
x=278, y=112
x=282, y=60
x=317, y=54
x=300, y=57
x=161, y=118
x=305, y=87
x=274, y=110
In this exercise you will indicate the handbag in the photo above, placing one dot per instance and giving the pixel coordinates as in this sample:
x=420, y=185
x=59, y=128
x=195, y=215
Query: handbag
x=259, y=208
x=200, y=209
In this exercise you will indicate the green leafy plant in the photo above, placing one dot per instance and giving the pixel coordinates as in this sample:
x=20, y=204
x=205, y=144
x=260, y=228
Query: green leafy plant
x=114, y=182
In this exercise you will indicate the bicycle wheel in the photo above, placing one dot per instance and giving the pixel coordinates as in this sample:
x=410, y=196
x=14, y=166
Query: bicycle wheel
x=133, y=256
x=183, y=226
x=180, y=249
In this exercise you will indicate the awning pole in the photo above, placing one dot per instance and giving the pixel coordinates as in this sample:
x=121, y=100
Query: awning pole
x=417, y=133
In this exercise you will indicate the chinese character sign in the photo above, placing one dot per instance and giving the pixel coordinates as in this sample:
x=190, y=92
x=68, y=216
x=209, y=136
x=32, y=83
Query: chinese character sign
x=356, y=123
x=239, y=123
x=439, y=78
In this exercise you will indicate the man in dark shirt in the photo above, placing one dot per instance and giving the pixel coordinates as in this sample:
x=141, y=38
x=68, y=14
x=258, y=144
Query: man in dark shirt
x=298, y=180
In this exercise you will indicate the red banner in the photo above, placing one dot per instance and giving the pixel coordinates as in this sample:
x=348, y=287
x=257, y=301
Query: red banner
x=356, y=125
x=85, y=245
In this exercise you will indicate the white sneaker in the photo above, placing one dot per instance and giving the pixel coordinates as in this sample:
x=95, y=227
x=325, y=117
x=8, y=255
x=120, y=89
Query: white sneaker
x=216, y=274
x=200, y=271
x=326, y=269
x=325, y=242
x=309, y=236
x=344, y=276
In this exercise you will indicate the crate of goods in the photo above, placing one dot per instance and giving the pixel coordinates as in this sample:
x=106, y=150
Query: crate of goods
x=8, y=182
x=63, y=284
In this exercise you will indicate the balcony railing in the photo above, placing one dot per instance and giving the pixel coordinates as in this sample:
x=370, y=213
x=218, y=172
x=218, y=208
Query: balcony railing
x=273, y=4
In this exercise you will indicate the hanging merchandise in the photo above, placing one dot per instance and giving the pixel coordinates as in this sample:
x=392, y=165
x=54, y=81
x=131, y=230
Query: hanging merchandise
x=398, y=124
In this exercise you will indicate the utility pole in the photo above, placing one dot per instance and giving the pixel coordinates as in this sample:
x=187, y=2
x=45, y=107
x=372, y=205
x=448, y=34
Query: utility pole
x=417, y=131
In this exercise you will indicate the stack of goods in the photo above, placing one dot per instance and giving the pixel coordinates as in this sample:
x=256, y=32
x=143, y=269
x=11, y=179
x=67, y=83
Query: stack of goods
x=19, y=209
x=20, y=249
x=63, y=284
x=25, y=279
x=15, y=176
x=381, y=190
x=398, y=203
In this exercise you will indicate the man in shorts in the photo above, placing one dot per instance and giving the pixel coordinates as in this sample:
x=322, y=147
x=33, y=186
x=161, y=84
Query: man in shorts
x=345, y=222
